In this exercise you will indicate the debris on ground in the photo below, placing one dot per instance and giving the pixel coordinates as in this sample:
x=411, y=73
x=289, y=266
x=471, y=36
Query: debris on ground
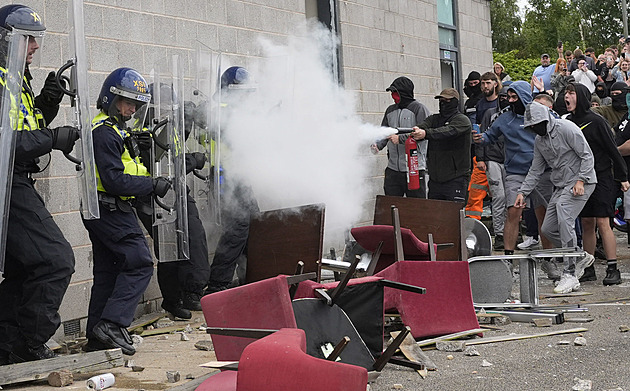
x=183, y=337
x=486, y=363
x=542, y=322
x=582, y=385
x=624, y=328
x=450, y=346
x=579, y=341
x=205, y=345
x=60, y=378
x=173, y=376
x=471, y=351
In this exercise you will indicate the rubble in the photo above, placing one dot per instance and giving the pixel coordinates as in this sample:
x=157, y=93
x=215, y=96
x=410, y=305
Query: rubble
x=471, y=351
x=485, y=363
x=624, y=328
x=542, y=322
x=137, y=368
x=450, y=346
x=183, y=337
x=173, y=376
x=60, y=378
x=205, y=345
x=563, y=342
x=449, y=357
x=582, y=385
x=137, y=340
x=579, y=341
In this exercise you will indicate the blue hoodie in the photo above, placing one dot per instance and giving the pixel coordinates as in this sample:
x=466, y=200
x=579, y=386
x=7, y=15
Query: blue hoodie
x=519, y=143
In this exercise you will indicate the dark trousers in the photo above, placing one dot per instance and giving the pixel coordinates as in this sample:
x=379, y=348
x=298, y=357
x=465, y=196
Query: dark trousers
x=395, y=184
x=187, y=275
x=453, y=190
x=39, y=263
x=122, y=269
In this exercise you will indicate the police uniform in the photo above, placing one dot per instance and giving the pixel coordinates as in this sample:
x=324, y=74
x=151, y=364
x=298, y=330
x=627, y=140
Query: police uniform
x=123, y=265
x=39, y=260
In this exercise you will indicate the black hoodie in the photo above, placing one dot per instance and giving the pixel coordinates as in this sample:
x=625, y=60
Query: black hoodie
x=598, y=135
x=404, y=87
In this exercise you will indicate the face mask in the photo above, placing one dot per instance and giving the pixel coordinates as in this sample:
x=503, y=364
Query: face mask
x=518, y=107
x=619, y=101
x=539, y=128
x=503, y=102
x=600, y=92
x=448, y=108
x=396, y=97
x=472, y=91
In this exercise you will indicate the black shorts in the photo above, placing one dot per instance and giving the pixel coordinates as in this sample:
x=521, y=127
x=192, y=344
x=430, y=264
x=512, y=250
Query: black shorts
x=602, y=202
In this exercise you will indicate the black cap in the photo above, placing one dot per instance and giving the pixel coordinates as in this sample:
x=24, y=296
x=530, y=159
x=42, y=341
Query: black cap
x=474, y=75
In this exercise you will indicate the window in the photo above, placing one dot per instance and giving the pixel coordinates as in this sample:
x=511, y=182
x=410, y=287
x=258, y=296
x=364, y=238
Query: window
x=447, y=35
x=325, y=11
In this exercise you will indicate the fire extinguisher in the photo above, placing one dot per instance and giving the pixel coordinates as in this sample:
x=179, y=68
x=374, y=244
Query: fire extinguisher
x=411, y=155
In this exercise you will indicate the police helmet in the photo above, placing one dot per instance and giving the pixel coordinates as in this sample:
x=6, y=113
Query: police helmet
x=233, y=77
x=21, y=17
x=124, y=83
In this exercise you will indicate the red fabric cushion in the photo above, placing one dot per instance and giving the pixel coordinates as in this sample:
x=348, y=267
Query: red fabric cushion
x=264, y=304
x=447, y=307
x=222, y=381
x=370, y=236
x=279, y=362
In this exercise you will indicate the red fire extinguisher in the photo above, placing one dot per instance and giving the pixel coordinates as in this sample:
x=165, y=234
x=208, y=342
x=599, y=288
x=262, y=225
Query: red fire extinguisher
x=411, y=155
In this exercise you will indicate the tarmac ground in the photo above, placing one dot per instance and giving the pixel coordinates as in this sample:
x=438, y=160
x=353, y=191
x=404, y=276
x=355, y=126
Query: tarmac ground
x=544, y=363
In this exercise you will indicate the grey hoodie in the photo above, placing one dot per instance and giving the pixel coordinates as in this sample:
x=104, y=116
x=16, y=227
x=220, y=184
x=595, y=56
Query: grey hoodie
x=564, y=149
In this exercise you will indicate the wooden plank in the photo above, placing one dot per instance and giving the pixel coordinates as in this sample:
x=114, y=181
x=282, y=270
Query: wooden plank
x=145, y=320
x=278, y=239
x=220, y=365
x=570, y=294
x=193, y=384
x=448, y=337
x=162, y=330
x=414, y=353
x=423, y=217
x=76, y=363
x=481, y=341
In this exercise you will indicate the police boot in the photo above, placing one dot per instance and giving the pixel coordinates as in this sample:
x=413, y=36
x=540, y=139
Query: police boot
x=176, y=310
x=30, y=352
x=114, y=336
x=192, y=301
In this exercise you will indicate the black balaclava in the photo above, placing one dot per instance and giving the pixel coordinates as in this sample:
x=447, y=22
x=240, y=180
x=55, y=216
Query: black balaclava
x=582, y=100
x=539, y=128
x=517, y=107
x=601, y=90
x=474, y=90
x=619, y=101
x=503, y=99
x=404, y=87
x=449, y=109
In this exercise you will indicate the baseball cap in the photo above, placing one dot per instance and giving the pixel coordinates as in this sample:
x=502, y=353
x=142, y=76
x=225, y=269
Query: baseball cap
x=448, y=93
x=544, y=55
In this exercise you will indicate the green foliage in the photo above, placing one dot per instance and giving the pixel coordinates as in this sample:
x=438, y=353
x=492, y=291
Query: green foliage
x=506, y=25
x=517, y=68
x=546, y=23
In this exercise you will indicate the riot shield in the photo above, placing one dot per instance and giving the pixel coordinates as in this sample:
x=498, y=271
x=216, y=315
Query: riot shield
x=13, y=49
x=79, y=96
x=206, y=134
x=168, y=160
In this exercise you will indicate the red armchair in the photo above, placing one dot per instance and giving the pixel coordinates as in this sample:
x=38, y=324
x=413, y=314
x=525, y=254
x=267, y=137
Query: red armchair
x=279, y=362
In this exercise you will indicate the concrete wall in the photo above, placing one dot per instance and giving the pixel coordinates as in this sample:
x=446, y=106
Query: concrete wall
x=381, y=40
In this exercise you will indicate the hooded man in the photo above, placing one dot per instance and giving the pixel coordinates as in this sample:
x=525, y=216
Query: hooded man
x=611, y=171
x=472, y=89
x=519, y=152
x=448, y=152
x=406, y=112
x=619, y=108
x=561, y=147
x=602, y=92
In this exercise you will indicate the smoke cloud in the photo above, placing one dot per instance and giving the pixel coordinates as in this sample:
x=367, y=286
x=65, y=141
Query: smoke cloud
x=297, y=139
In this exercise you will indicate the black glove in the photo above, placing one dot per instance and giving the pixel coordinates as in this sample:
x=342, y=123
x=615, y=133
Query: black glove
x=144, y=140
x=161, y=186
x=189, y=117
x=51, y=91
x=64, y=138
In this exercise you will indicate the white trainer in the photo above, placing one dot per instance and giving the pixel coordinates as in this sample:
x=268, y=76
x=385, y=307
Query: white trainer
x=567, y=284
x=528, y=242
x=582, y=264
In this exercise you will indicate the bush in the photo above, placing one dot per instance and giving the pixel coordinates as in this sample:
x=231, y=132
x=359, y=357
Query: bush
x=517, y=68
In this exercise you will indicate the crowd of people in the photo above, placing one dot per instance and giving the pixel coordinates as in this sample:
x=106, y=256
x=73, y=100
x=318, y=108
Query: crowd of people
x=551, y=151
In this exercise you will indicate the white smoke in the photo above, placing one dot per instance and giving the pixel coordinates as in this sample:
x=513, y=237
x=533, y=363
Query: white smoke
x=297, y=139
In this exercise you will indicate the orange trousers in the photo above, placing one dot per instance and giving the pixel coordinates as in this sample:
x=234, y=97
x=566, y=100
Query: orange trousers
x=477, y=191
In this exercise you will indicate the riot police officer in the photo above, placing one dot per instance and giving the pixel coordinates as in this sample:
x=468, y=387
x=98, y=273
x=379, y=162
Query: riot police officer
x=232, y=246
x=39, y=260
x=123, y=264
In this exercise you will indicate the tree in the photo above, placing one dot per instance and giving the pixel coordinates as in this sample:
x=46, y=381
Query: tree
x=546, y=23
x=601, y=22
x=506, y=25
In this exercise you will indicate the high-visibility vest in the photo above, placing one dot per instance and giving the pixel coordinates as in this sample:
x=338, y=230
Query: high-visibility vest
x=133, y=166
x=28, y=117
